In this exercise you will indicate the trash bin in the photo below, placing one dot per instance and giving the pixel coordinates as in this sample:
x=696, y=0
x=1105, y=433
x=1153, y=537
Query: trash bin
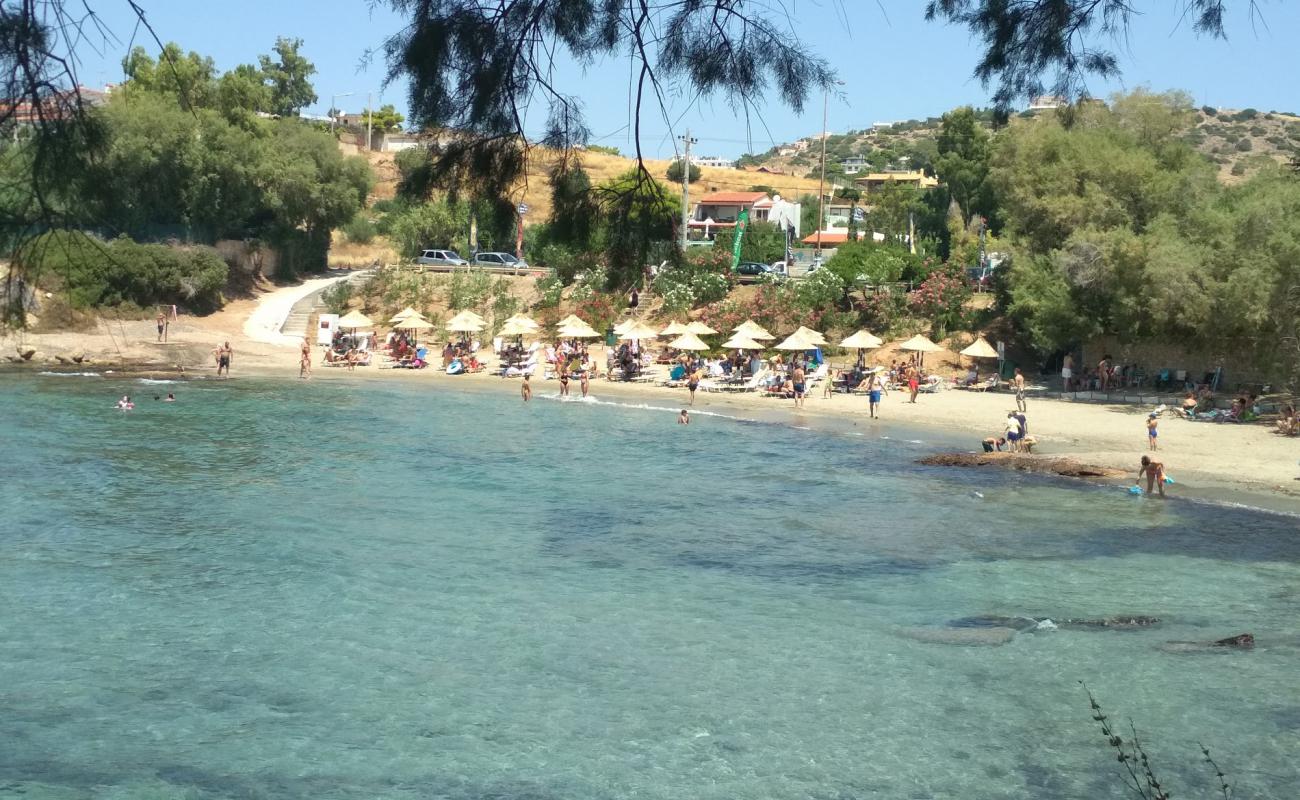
x=610, y=338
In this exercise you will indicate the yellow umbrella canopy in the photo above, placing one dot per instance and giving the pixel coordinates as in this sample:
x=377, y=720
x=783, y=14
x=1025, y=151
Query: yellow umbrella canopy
x=740, y=341
x=980, y=349
x=862, y=340
x=673, y=329
x=524, y=321
x=638, y=330
x=403, y=314
x=797, y=341
x=920, y=344
x=464, y=326
x=753, y=330
x=464, y=319
x=355, y=319
x=811, y=335
x=688, y=341
x=514, y=328
x=416, y=323
x=699, y=329
x=578, y=330
x=572, y=319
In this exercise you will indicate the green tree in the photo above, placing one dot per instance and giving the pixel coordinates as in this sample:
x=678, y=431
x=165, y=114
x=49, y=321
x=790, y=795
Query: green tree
x=637, y=214
x=431, y=224
x=962, y=164
x=674, y=173
x=853, y=195
x=242, y=92
x=289, y=75
x=764, y=242
x=574, y=212
x=188, y=78
x=387, y=118
x=892, y=207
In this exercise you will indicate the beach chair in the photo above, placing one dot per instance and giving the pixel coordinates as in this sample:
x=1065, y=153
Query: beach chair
x=993, y=382
x=754, y=382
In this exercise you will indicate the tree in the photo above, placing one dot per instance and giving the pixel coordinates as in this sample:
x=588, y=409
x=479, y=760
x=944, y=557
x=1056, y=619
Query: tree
x=574, y=214
x=892, y=208
x=675, y=172
x=289, y=78
x=474, y=67
x=188, y=78
x=242, y=92
x=432, y=224
x=1025, y=40
x=386, y=118
x=764, y=242
x=853, y=195
x=637, y=212
x=962, y=164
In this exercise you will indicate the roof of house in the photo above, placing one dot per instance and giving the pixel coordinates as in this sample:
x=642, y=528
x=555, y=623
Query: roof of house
x=732, y=198
x=910, y=176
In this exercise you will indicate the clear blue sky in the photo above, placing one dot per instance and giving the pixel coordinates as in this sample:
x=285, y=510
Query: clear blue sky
x=894, y=64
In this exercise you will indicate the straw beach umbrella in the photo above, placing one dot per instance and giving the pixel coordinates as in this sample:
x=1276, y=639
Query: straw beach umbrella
x=578, y=330
x=812, y=335
x=862, y=340
x=980, y=349
x=740, y=341
x=699, y=329
x=355, y=319
x=415, y=323
x=572, y=319
x=797, y=341
x=688, y=341
x=524, y=321
x=920, y=344
x=673, y=329
x=638, y=331
x=753, y=330
x=403, y=314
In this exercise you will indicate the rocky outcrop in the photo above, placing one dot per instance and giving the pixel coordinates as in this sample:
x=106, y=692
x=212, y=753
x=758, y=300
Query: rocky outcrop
x=1023, y=462
x=965, y=637
x=1242, y=641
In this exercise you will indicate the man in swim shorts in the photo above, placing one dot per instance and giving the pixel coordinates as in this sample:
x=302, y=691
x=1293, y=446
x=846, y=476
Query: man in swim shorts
x=799, y=385
x=224, y=355
x=874, y=382
x=1019, y=384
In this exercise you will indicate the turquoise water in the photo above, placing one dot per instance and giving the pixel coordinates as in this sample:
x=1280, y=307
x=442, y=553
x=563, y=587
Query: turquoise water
x=330, y=590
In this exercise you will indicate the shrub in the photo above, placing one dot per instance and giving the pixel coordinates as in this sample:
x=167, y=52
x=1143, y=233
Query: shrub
x=336, y=297
x=360, y=230
x=940, y=299
x=551, y=290
x=1209, y=111
x=678, y=298
x=1243, y=145
x=1239, y=168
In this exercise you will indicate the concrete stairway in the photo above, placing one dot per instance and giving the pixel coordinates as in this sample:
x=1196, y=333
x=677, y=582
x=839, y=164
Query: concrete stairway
x=295, y=323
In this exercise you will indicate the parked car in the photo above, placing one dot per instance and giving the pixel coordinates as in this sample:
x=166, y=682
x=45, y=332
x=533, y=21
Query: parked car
x=441, y=258
x=750, y=271
x=499, y=261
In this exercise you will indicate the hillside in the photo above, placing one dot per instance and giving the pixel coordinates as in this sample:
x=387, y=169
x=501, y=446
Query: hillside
x=536, y=191
x=1239, y=141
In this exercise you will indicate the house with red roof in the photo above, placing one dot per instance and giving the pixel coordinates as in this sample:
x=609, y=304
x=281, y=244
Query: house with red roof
x=721, y=210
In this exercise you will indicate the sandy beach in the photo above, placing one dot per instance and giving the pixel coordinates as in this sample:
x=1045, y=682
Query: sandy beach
x=1217, y=460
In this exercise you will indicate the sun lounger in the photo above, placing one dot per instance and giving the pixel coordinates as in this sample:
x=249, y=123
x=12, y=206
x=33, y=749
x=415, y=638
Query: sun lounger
x=718, y=385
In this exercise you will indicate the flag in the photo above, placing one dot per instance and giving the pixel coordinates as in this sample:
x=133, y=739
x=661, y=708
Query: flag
x=741, y=223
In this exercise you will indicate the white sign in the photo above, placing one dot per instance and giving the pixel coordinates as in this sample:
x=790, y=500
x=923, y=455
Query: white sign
x=523, y=209
x=325, y=329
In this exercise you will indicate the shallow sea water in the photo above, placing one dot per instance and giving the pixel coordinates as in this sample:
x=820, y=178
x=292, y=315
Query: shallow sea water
x=286, y=590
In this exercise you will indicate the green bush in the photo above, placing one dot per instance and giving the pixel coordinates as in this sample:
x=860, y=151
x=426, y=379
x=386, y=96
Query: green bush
x=336, y=297
x=1243, y=145
x=360, y=230
x=94, y=273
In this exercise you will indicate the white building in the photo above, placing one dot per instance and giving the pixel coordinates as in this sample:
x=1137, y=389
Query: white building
x=712, y=161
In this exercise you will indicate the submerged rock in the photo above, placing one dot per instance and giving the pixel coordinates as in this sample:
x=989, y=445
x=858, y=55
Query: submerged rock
x=1122, y=622
x=964, y=637
x=994, y=621
x=1023, y=462
x=1242, y=641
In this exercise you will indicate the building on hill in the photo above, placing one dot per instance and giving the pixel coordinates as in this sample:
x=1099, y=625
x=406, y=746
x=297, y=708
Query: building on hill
x=831, y=238
x=854, y=164
x=712, y=161
x=722, y=209
x=874, y=181
x=54, y=106
x=1046, y=102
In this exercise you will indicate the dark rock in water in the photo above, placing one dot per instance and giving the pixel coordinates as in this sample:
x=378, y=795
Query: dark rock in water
x=1021, y=624
x=1121, y=622
x=1023, y=462
x=1242, y=641
x=965, y=637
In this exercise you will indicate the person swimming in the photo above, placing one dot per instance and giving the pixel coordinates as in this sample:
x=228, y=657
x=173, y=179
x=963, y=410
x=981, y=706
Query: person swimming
x=125, y=403
x=684, y=418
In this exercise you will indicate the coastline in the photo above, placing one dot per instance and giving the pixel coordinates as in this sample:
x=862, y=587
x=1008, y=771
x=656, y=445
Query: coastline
x=950, y=421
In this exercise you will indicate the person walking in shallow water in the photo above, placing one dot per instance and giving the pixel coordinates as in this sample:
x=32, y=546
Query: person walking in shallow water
x=224, y=355
x=526, y=390
x=585, y=382
x=304, y=360
x=1155, y=474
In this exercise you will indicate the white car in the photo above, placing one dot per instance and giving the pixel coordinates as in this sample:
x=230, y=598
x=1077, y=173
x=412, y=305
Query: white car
x=441, y=258
x=499, y=261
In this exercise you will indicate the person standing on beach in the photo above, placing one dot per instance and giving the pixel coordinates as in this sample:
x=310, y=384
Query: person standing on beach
x=304, y=361
x=1019, y=383
x=1067, y=372
x=162, y=326
x=1103, y=372
x=1152, y=422
x=224, y=355
x=1155, y=473
x=800, y=388
x=913, y=382
x=874, y=384
x=564, y=379
x=526, y=390
x=1013, y=430
x=693, y=383
x=585, y=381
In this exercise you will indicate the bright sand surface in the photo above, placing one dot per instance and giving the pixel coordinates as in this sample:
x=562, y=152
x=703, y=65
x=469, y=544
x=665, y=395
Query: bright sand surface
x=1206, y=457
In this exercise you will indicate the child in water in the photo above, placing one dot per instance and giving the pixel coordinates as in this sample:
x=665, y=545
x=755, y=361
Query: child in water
x=684, y=418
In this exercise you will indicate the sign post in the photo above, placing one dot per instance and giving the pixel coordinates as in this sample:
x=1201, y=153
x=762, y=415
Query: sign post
x=519, y=231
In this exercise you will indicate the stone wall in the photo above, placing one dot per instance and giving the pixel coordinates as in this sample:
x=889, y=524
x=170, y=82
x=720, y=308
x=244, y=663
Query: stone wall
x=252, y=260
x=1156, y=356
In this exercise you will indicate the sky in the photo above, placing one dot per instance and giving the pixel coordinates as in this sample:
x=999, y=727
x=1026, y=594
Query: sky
x=894, y=64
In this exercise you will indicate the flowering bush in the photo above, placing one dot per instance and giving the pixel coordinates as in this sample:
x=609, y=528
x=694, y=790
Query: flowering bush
x=599, y=310
x=940, y=299
x=551, y=290
x=821, y=290
x=678, y=298
x=709, y=287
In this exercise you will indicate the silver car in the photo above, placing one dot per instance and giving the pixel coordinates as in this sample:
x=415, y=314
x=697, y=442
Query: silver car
x=441, y=258
x=499, y=261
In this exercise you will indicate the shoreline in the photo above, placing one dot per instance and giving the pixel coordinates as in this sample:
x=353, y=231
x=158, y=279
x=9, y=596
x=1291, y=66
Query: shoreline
x=929, y=421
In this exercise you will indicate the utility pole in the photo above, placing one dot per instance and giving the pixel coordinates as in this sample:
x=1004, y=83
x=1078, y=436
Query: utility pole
x=334, y=108
x=686, y=185
x=369, y=104
x=821, y=184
